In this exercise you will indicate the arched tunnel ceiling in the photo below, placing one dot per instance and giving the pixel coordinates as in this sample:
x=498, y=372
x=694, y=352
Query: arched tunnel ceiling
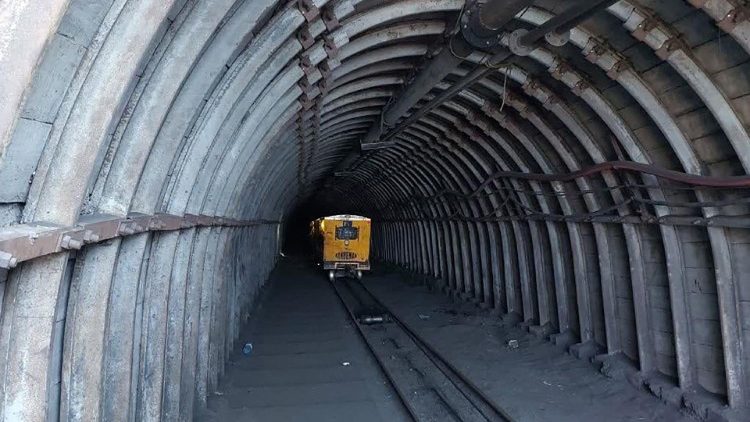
x=182, y=132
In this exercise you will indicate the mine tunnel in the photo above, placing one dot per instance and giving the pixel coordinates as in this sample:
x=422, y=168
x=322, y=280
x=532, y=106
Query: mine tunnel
x=558, y=193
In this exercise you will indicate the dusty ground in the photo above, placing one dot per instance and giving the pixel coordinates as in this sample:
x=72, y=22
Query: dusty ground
x=309, y=364
x=536, y=381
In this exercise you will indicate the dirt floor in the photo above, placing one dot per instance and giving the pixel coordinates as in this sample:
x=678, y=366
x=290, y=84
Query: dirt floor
x=536, y=381
x=308, y=362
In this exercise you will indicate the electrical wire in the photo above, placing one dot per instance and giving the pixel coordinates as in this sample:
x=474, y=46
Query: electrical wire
x=505, y=86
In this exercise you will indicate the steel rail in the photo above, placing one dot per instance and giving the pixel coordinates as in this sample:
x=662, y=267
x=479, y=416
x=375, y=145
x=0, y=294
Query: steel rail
x=401, y=396
x=24, y=242
x=675, y=176
x=449, y=370
x=726, y=182
x=444, y=196
x=738, y=222
x=534, y=214
x=454, y=377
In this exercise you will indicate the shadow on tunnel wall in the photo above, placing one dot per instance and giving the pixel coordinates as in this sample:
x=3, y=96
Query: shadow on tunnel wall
x=296, y=240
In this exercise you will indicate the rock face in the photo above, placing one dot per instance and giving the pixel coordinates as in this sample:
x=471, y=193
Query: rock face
x=593, y=192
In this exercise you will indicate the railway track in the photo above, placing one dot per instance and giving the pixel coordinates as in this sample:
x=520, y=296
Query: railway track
x=430, y=388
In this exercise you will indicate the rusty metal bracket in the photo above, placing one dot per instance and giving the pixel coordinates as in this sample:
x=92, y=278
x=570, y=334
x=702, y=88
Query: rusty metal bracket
x=308, y=9
x=618, y=68
x=641, y=31
x=99, y=227
x=307, y=99
x=136, y=223
x=532, y=85
x=593, y=50
x=734, y=17
x=580, y=87
x=305, y=84
x=306, y=64
x=27, y=241
x=323, y=87
x=328, y=66
x=305, y=37
x=24, y=242
x=332, y=50
x=165, y=222
x=558, y=72
x=669, y=46
x=191, y=220
x=329, y=18
x=72, y=239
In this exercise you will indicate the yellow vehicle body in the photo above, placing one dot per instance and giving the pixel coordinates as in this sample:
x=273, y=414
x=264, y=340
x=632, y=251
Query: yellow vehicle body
x=342, y=242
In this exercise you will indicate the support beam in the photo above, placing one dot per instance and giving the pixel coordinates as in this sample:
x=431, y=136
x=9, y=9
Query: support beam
x=484, y=20
x=522, y=43
x=24, y=242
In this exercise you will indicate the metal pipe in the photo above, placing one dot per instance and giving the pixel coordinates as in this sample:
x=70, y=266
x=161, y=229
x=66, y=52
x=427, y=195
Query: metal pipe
x=478, y=73
x=727, y=221
x=571, y=16
x=435, y=71
x=438, y=68
x=566, y=20
x=584, y=16
x=485, y=19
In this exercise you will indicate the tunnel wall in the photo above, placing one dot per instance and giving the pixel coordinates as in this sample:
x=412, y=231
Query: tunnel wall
x=238, y=111
x=669, y=297
x=121, y=118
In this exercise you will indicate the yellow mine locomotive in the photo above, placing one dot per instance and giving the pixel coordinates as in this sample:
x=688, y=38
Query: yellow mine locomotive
x=342, y=244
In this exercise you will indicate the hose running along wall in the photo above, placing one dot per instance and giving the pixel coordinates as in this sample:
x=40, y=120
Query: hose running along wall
x=151, y=151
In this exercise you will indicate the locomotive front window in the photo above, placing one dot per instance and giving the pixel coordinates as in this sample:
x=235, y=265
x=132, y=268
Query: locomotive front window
x=347, y=232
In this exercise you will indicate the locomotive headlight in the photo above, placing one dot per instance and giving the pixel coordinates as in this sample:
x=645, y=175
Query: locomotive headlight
x=346, y=243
